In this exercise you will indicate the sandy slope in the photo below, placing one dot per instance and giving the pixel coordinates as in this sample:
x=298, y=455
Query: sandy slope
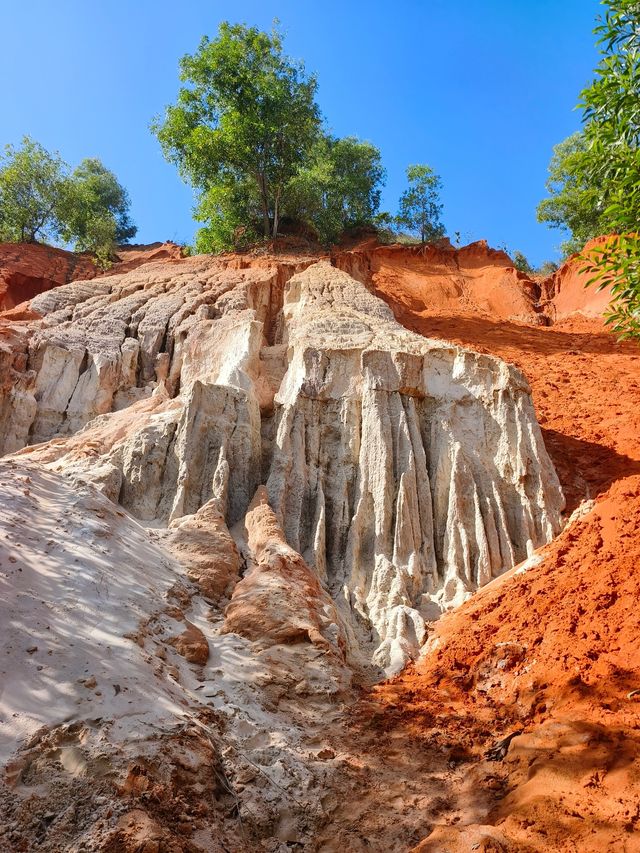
x=551, y=652
x=140, y=719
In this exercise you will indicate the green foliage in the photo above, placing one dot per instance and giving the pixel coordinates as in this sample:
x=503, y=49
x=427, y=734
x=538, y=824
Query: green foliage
x=521, y=263
x=338, y=189
x=231, y=214
x=41, y=200
x=94, y=211
x=616, y=264
x=612, y=109
x=31, y=185
x=596, y=174
x=420, y=207
x=574, y=204
x=245, y=115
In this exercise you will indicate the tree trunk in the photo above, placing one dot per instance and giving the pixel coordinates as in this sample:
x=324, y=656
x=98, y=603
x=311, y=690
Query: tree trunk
x=266, y=221
x=276, y=214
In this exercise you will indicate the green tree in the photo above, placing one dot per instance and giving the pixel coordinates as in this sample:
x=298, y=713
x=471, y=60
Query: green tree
x=243, y=124
x=598, y=190
x=611, y=107
x=521, y=263
x=574, y=203
x=338, y=189
x=31, y=186
x=41, y=201
x=420, y=206
x=94, y=210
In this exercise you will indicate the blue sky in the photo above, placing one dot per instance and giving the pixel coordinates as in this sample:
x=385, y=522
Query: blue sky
x=478, y=89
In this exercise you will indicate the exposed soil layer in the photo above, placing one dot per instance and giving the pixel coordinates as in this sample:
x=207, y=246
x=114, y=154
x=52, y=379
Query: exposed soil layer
x=548, y=654
x=27, y=269
x=566, y=293
x=473, y=279
x=519, y=729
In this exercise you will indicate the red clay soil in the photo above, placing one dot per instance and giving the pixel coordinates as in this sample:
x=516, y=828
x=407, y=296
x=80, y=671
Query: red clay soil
x=474, y=279
x=27, y=269
x=566, y=291
x=551, y=653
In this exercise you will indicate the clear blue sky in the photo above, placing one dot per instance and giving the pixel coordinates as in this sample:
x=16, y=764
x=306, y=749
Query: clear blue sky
x=479, y=89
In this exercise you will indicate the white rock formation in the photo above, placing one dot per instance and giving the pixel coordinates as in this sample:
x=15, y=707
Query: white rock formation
x=406, y=471
x=244, y=482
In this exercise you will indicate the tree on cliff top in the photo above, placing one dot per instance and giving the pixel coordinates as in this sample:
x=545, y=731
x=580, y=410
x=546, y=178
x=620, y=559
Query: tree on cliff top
x=41, y=200
x=94, y=210
x=420, y=206
x=244, y=122
x=599, y=173
x=31, y=186
x=339, y=187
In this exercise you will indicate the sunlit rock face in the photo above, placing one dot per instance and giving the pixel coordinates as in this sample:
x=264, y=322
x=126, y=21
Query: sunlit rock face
x=406, y=472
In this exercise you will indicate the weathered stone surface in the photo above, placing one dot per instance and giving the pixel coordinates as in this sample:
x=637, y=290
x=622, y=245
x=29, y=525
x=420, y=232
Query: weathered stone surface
x=204, y=545
x=405, y=472
x=280, y=599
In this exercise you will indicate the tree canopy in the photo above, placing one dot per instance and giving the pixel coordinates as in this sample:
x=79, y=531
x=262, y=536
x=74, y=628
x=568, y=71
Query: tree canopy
x=94, y=196
x=247, y=134
x=338, y=188
x=244, y=122
x=574, y=204
x=31, y=186
x=42, y=200
x=598, y=172
x=420, y=208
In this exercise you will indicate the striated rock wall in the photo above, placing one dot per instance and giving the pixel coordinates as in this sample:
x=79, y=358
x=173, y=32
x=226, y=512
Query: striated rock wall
x=441, y=279
x=406, y=472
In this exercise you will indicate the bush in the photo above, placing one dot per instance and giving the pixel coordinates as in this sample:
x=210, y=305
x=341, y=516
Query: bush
x=41, y=200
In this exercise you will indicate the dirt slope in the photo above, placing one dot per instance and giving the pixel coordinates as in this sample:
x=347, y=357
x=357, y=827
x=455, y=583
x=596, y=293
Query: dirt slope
x=566, y=293
x=27, y=269
x=550, y=652
x=472, y=280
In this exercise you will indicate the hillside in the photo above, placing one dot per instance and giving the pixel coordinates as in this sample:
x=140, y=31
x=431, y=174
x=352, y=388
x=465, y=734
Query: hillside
x=254, y=483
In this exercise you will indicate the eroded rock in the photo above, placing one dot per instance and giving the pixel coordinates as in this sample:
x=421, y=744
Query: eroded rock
x=404, y=472
x=280, y=599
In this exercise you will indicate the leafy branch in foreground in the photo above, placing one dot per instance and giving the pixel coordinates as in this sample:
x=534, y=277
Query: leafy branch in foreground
x=616, y=265
x=598, y=172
